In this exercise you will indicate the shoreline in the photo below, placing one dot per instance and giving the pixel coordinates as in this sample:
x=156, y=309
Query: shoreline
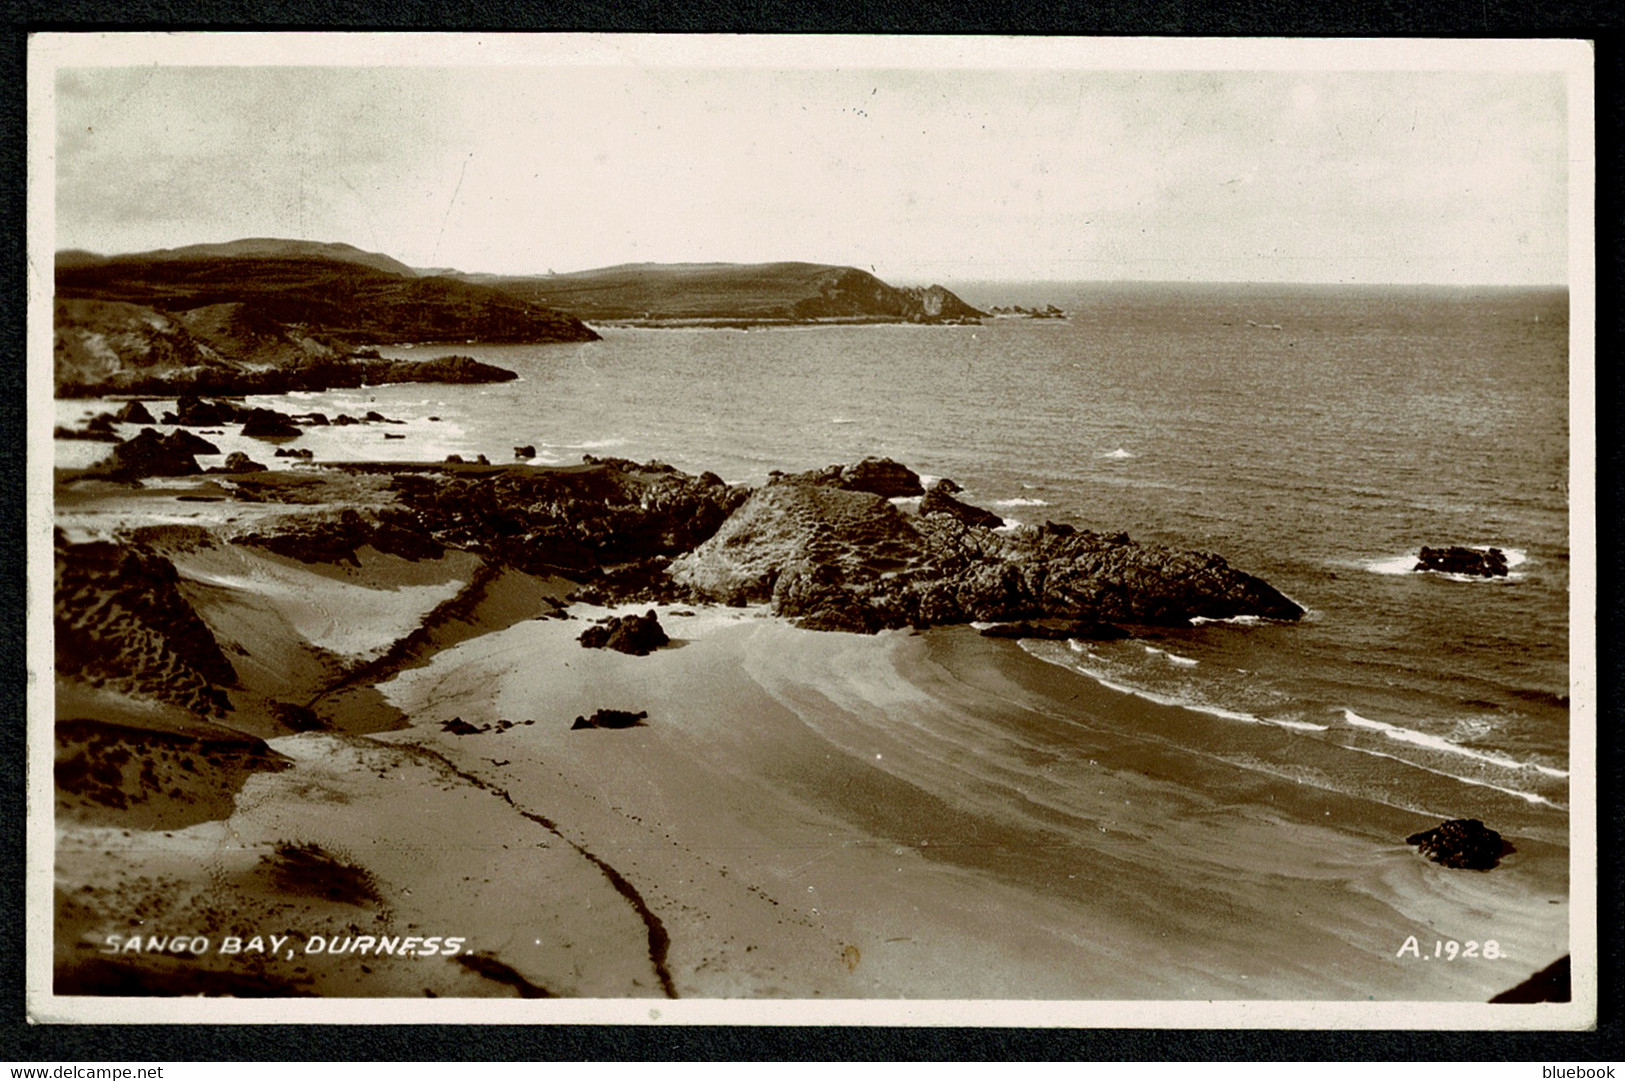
x=804, y=814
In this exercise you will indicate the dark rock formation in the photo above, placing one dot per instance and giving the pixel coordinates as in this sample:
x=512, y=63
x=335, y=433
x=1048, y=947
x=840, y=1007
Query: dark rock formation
x=611, y=718
x=882, y=476
x=524, y=453
x=634, y=634
x=238, y=462
x=1461, y=842
x=938, y=501
x=98, y=428
x=336, y=538
x=1057, y=630
x=148, y=454
x=295, y=452
x=834, y=558
x=134, y=413
x=268, y=424
x=1478, y=563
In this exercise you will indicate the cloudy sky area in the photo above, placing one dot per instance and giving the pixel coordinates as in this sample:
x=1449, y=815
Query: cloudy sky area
x=928, y=173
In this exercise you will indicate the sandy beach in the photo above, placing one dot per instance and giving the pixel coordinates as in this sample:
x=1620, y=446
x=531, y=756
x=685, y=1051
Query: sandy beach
x=400, y=801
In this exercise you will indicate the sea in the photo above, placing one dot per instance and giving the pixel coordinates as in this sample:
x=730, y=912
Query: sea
x=1316, y=436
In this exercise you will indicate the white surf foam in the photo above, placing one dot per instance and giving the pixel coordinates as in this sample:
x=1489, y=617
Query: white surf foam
x=1438, y=743
x=1173, y=658
x=1020, y=501
x=1119, y=454
x=1239, y=621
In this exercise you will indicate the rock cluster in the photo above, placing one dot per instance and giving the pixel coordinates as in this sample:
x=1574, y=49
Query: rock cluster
x=834, y=558
x=634, y=634
x=1475, y=562
x=611, y=718
x=1461, y=842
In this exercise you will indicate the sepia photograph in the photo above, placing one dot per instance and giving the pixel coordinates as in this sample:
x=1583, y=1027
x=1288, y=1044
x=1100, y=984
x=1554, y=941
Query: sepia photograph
x=811, y=530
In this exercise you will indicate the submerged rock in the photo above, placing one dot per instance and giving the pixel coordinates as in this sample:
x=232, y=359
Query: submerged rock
x=611, y=718
x=1478, y=563
x=634, y=634
x=1461, y=842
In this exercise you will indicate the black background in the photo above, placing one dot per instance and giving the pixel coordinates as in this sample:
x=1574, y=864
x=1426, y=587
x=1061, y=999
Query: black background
x=1599, y=22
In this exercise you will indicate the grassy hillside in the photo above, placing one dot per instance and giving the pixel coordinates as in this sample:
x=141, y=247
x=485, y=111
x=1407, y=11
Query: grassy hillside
x=345, y=301
x=761, y=291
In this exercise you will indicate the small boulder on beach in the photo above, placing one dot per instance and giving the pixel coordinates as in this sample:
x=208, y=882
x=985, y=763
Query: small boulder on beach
x=611, y=718
x=1461, y=842
x=634, y=634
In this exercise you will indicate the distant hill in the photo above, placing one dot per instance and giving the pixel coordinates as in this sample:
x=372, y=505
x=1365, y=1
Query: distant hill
x=768, y=292
x=250, y=248
x=346, y=299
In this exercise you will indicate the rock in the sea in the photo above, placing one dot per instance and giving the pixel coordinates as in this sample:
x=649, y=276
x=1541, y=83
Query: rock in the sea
x=883, y=477
x=938, y=501
x=1058, y=630
x=611, y=718
x=134, y=413
x=268, y=424
x=1475, y=562
x=634, y=634
x=524, y=453
x=1461, y=842
x=238, y=462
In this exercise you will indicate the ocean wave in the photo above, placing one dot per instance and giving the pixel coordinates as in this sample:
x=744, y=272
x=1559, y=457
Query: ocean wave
x=1173, y=658
x=1238, y=621
x=1528, y=797
x=1439, y=743
x=1021, y=501
x=1119, y=455
x=906, y=500
x=843, y=420
x=590, y=444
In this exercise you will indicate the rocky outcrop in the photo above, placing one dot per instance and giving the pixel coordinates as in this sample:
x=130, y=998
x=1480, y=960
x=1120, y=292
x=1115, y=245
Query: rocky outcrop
x=337, y=537
x=938, y=501
x=113, y=347
x=1474, y=562
x=634, y=634
x=149, y=454
x=611, y=718
x=1461, y=842
x=580, y=521
x=268, y=424
x=832, y=558
x=238, y=462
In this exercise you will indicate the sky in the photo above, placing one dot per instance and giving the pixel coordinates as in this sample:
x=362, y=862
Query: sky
x=922, y=171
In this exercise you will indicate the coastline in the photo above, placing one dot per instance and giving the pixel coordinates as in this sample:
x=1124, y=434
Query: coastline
x=804, y=813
